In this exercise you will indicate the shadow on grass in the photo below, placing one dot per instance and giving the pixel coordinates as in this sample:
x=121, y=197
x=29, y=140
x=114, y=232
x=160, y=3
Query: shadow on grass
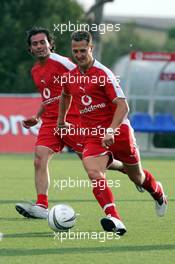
x=75, y=250
x=12, y=219
x=82, y=201
x=29, y=235
x=20, y=218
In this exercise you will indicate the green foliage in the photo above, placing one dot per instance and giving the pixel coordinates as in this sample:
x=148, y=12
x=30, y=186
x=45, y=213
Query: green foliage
x=123, y=42
x=170, y=41
x=169, y=45
x=17, y=16
x=171, y=33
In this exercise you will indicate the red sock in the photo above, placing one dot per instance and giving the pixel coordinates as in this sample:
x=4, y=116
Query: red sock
x=105, y=198
x=151, y=186
x=42, y=200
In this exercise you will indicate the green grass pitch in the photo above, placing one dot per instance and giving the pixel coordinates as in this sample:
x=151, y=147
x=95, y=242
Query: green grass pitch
x=149, y=239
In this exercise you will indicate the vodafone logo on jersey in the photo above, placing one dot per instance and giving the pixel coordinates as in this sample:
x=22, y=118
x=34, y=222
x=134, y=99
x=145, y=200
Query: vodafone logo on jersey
x=86, y=100
x=46, y=93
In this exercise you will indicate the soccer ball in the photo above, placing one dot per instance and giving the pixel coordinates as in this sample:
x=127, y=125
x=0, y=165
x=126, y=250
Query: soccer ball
x=61, y=217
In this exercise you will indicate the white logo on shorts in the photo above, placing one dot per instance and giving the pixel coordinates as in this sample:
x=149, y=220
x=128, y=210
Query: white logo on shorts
x=85, y=150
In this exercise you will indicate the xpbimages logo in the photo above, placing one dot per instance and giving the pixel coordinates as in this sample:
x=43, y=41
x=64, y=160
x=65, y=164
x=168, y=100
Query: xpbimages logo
x=81, y=131
x=101, y=237
x=61, y=184
x=101, y=28
x=85, y=79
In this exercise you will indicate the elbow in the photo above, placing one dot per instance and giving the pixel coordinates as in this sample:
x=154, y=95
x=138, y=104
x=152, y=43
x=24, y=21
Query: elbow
x=122, y=104
x=125, y=107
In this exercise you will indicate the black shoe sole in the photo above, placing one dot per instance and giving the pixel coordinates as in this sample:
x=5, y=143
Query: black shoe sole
x=109, y=226
x=23, y=212
x=140, y=189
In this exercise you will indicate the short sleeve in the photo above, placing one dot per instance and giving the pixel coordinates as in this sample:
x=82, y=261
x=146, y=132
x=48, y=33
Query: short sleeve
x=112, y=86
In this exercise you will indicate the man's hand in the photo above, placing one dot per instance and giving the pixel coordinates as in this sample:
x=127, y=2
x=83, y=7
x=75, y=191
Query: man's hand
x=63, y=129
x=64, y=125
x=29, y=122
x=107, y=141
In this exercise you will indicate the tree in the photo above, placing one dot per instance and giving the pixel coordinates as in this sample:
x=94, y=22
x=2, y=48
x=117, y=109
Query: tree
x=120, y=43
x=170, y=40
x=17, y=16
x=171, y=33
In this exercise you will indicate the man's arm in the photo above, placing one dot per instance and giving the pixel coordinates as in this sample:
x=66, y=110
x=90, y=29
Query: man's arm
x=40, y=111
x=64, y=104
x=32, y=121
x=120, y=113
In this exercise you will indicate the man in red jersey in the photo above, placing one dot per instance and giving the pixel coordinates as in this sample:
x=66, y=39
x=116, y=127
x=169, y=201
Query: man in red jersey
x=103, y=107
x=47, y=73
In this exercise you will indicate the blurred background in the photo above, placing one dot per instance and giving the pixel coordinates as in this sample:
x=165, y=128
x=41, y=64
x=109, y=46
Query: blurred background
x=140, y=51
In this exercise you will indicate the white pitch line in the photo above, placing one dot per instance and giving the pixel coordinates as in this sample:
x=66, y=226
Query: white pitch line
x=1, y=236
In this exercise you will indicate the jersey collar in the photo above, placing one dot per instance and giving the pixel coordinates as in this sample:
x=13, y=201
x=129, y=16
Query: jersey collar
x=89, y=70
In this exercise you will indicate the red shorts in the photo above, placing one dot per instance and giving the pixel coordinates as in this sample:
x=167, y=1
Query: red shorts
x=48, y=137
x=124, y=148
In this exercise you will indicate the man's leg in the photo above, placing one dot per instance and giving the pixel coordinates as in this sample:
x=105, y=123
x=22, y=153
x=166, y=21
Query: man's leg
x=95, y=167
x=42, y=182
x=42, y=178
x=146, y=180
x=119, y=166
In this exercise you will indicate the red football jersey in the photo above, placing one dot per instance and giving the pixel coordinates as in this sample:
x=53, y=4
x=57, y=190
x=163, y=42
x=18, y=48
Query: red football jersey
x=94, y=92
x=47, y=78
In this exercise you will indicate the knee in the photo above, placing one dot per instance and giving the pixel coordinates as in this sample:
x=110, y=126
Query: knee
x=94, y=174
x=39, y=162
x=138, y=178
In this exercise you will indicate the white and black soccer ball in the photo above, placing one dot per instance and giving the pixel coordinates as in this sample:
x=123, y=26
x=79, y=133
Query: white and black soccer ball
x=61, y=217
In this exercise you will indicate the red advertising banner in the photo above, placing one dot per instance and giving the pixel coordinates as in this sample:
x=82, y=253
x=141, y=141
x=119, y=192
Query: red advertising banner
x=13, y=137
x=167, y=76
x=152, y=56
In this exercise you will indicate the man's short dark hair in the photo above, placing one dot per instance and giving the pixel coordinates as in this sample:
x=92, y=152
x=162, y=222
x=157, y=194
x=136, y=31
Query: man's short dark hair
x=37, y=30
x=82, y=35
